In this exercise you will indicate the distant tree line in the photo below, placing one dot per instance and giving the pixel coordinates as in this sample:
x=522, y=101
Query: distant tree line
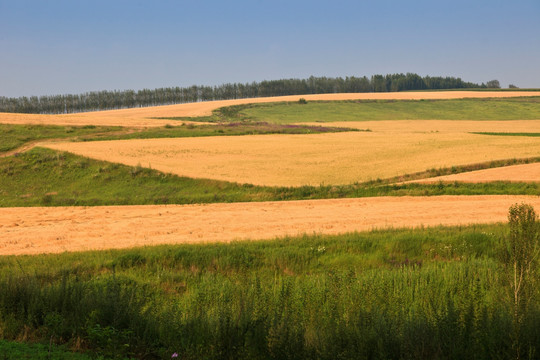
x=109, y=100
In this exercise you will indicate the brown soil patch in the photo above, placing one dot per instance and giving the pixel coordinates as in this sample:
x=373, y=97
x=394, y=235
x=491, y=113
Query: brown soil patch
x=514, y=173
x=142, y=117
x=314, y=159
x=53, y=230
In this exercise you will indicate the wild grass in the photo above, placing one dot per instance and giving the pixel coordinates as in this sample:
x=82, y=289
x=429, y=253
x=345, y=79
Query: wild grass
x=521, y=108
x=43, y=177
x=13, y=136
x=223, y=129
x=19, y=351
x=429, y=293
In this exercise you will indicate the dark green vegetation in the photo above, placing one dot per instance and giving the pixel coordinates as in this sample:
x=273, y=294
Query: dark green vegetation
x=507, y=134
x=17, y=351
x=438, y=293
x=107, y=100
x=13, y=136
x=521, y=108
x=224, y=129
x=46, y=177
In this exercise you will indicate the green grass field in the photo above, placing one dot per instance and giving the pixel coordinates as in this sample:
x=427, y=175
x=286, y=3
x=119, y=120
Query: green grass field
x=43, y=177
x=226, y=129
x=435, y=293
x=10, y=350
x=525, y=108
x=14, y=136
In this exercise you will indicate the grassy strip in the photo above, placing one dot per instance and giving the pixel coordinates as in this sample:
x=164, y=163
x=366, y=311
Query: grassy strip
x=233, y=128
x=426, y=293
x=19, y=351
x=507, y=134
x=520, y=108
x=43, y=177
x=14, y=136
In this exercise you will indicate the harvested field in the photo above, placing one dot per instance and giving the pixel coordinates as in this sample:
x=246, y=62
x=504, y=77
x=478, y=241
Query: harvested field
x=53, y=230
x=441, y=126
x=514, y=173
x=143, y=117
x=295, y=160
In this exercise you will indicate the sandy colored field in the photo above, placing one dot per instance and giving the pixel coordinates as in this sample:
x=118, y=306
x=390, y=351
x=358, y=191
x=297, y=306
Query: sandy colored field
x=294, y=160
x=449, y=126
x=142, y=117
x=52, y=230
x=514, y=173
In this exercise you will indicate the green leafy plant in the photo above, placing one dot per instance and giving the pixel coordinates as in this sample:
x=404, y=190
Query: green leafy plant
x=520, y=253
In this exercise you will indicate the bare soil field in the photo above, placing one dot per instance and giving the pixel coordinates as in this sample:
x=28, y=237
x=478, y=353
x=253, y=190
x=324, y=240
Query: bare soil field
x=313, y=159
x=60, y=229
x=514, y=173
x=144, y=117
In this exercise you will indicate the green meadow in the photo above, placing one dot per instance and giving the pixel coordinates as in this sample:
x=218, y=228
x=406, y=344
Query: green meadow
x=521, y=108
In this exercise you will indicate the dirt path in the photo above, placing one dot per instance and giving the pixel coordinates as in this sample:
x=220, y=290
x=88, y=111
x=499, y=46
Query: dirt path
x=145, y=117
x=53, y=230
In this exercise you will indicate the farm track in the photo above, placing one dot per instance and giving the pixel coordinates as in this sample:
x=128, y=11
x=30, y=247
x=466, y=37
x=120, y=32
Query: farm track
x=61, y=229
x=148, y=117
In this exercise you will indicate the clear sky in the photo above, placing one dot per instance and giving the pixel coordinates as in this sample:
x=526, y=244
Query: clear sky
x=72, y=46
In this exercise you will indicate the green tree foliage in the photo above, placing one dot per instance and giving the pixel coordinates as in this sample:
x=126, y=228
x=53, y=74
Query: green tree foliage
x=493, y=84
x=520, y=259
x=110, y=100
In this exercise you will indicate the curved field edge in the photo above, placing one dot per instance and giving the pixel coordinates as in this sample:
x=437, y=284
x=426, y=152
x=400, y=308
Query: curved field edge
x=528, y=172
x=479, y=109
x=424, y=293
x=311, y=159
x=20, y=138
x=43, y=177
x=146, y=117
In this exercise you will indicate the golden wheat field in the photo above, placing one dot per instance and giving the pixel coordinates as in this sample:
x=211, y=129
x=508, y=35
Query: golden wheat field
x=53, y=230
x=146, y=117
x=448, y=126
x=295, y=160
x=514, y=173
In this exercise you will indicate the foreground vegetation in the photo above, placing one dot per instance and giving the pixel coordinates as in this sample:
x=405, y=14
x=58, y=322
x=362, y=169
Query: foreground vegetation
x=438, y=293
x=43, y=177
x=521, y=108
x=10, y=350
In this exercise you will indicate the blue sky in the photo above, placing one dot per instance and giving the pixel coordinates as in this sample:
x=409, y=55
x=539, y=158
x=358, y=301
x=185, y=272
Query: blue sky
x=73, y=46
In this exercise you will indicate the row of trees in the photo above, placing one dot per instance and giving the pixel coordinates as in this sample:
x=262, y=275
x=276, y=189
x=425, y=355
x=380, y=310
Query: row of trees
x=108, y=100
